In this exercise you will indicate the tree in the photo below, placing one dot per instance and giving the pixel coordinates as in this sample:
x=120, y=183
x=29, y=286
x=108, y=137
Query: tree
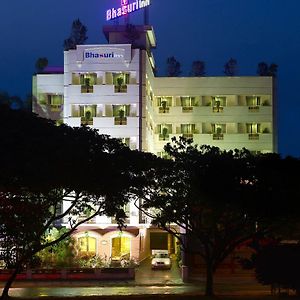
x=13, y=102
x=77, y=37
x=42, y=165
x=198, y=68
x=263, y=69
x=173, y=67
x=218, y=199
x=278, y=266
x=41, y=64
x=230, y=68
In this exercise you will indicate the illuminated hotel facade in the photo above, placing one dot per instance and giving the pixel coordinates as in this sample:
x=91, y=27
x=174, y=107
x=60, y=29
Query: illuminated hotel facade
x=113, y=88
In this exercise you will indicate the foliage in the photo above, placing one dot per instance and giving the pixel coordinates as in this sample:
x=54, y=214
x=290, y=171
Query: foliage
x=230, y=68
x=263, y=69
x=42, y=164
x=41, y=64
x=219, y=199
x=279, y=266
x=198, y=68
x=77, y=37
x=59, y=255
x=13, y=102
x=90, y=261
x=173, y=67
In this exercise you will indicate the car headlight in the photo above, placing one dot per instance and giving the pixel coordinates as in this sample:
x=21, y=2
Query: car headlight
x=167, y=262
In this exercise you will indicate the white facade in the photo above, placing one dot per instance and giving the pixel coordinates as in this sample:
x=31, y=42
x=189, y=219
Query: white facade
x=112, y=88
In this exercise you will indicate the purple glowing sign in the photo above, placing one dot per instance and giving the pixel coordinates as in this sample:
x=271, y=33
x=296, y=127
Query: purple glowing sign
x=126, y=8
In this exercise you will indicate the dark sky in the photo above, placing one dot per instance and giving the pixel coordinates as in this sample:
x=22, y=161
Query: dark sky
x=209, y=30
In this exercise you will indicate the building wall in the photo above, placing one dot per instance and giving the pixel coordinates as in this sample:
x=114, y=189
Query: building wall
x=89, y=86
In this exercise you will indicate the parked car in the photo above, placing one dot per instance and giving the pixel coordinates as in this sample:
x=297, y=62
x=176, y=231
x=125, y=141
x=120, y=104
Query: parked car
x=161, y=260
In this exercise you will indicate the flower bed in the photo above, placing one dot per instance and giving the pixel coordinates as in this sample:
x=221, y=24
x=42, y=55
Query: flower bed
x=72, y=274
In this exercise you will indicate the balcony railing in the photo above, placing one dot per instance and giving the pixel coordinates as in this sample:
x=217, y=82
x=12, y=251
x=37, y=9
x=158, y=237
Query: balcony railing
x=85, y=121
x=85, y=89
x=55, y=108
x=218, y=136
x=120, y=88
x=253, y=136
x=120, y=121
x=253, y=108
x=188, y=135
x=187, y=109
x=163, y=110
x=217, y=109
x=163, y=137
x=92, y=221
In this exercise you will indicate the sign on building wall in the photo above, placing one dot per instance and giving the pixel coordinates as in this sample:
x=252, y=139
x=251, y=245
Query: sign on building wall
x=104, y=55
x=127, y=7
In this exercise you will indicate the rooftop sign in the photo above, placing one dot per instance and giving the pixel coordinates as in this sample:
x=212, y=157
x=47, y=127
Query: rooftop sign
x=126, y=8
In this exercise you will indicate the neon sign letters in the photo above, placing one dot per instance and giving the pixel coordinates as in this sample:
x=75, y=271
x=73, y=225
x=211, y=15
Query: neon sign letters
x=126, y=8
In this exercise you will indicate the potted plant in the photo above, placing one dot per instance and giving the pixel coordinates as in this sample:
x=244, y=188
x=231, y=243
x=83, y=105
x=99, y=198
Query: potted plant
x=120, y=82
x=164, y=133
x=121, y=115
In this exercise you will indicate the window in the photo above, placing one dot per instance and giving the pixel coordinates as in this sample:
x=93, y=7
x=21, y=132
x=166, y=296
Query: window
x=121, y=112
x=87, y=82
x=164, y=103
x=187, y=103
x=253, y=130
x=188, y=130
x=253, y=100
x=85, y=112
x=87, y=245
x=55, y=101
x=253, y=103
x=218, y=103
x=120, y=81
x=164, y=130
x=218, y=131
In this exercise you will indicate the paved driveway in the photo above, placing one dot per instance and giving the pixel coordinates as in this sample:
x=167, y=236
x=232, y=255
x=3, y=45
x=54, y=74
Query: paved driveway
x=146, y=276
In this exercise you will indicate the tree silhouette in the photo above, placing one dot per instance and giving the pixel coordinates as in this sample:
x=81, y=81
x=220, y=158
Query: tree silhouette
x=230, y=68
x=41, y=64
x=173, y=67
x=77, y=37
x=219, y=213
x=263, y=69
x=198, y=68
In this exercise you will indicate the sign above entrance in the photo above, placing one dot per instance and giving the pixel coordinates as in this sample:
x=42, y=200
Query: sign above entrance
x=126, y=8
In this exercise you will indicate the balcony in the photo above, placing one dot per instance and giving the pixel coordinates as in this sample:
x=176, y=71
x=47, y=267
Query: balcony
x=91, y=221
x=187, y=109
x=217, y=109
x=164, y=137
x=253, y=109
x=163, y=110
x=218, y=136
x=86, y=89
x=188, y=135
x=86, y=121
x=120, y=121
x=120, y=88
x=253, y=136
x=55, y=108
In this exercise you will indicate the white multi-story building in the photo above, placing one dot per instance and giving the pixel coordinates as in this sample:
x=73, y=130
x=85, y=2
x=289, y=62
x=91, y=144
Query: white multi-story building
x=113, y=88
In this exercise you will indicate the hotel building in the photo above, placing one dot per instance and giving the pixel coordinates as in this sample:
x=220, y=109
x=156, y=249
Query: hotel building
x=113, y=88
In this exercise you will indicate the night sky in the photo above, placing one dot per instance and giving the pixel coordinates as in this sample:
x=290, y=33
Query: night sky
x=208, y=30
